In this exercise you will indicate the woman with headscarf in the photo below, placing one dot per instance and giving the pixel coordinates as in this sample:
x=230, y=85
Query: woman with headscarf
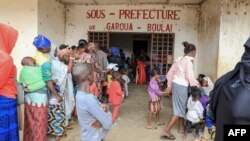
x=8, y=90
x=180, y=76
x=36, y=116
x=229, y=103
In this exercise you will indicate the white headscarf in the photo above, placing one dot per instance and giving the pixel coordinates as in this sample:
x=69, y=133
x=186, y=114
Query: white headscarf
x=210, y=86
x=209, y=81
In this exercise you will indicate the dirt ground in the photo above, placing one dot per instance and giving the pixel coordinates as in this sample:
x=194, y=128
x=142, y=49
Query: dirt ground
x=133, y=115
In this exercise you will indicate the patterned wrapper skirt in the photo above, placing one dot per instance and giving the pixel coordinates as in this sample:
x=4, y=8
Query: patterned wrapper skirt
x=35, y=123
x=56, y=120
x=155, y=105
x=35, y=120
x=8, y=119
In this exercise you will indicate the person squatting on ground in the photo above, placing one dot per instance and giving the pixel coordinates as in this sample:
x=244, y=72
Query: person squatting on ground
x=94, y=118
x=194, y=113
x=154, y=100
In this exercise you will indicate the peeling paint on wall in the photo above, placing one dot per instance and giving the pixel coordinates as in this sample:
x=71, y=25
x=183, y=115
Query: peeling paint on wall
x=234, y=32
x=209, y=32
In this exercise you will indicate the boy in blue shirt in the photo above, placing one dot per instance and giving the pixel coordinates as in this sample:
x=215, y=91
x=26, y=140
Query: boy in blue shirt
x=94, y=118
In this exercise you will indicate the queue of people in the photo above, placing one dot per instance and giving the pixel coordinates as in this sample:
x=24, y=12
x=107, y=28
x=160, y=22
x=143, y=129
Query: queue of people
x=49, y=90
x=58, y=80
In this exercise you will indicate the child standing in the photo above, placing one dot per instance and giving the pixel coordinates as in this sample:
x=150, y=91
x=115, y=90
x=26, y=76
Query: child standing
x=115, y=94
x=94, y=117
x=195, y=112
x=126, y=80
x=154, y=105
x=110, y=68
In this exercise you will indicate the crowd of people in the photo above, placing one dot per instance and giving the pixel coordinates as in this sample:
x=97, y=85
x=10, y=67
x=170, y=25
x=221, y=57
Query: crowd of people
x=83, y=80
x=58, y=82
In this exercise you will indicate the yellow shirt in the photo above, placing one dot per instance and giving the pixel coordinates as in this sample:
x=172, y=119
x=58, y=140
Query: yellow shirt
x=41, y=58
x=109, y=77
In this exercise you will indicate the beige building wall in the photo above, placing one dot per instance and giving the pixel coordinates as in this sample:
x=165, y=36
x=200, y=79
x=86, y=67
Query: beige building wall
x=185, y=28
x=235, y=31
x=22, y=15
x=30, y=18
x=223, y=29
x=218, y=29
x=51, y=20
x=209, y=38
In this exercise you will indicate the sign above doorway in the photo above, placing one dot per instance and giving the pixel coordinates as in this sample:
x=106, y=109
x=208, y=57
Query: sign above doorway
x=128, y=17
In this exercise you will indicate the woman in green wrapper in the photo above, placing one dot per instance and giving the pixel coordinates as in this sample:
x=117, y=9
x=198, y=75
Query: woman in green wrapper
x=36, y=116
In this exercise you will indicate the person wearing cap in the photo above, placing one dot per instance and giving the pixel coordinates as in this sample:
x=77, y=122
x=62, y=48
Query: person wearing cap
x=110, y=69
x=36, y=115
x=229, y=103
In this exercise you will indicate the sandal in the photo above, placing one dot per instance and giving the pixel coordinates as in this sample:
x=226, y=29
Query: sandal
x=150, y=127
x=165, y=137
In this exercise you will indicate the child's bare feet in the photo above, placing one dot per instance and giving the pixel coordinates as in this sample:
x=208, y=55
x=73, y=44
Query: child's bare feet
x=160, y=123
x=185, y=134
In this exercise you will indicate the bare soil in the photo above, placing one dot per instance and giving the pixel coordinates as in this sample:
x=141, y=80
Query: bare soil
x=133, y=115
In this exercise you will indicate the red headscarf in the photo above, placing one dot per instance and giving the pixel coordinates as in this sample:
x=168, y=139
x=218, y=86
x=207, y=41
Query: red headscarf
x=8, y=37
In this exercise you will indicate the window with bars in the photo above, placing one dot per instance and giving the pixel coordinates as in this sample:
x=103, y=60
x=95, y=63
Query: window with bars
x=100, y=37
x=162, y=50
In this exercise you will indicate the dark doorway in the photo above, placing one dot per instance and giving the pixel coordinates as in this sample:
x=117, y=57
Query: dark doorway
x=139, y=45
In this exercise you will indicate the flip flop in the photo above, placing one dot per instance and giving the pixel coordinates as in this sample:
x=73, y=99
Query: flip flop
x=150, y=127
x=161, y=123
x=171, y=137
x=69, y=127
